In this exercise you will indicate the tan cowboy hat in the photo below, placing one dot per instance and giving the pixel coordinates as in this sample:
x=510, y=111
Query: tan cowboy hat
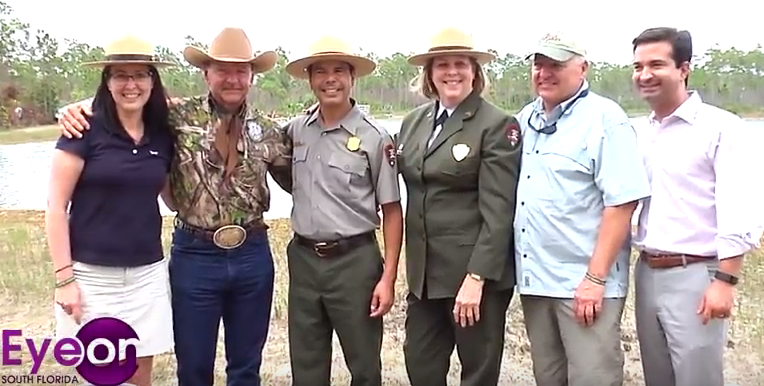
x=232, y=46
x=129, y=50
x=330, y=48
x=451, y=41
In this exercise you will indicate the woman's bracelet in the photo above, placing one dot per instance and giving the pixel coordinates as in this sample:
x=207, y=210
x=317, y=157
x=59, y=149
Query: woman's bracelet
x=63, y=268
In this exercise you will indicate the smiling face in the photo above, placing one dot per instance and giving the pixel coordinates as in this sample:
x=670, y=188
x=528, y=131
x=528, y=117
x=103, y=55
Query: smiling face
x=556, y=81
x=229, y=83
x=453, y=77
x=656, y=74
x=331, y=82
x=130, y=85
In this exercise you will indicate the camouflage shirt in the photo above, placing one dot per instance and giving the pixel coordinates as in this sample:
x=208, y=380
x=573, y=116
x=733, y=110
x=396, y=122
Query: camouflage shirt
x=201, y=195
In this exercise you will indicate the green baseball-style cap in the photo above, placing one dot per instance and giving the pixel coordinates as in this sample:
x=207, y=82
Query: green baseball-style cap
x=557, y=46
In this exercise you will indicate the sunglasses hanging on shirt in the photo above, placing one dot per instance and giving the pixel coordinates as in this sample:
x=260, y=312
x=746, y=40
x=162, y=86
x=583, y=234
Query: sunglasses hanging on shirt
x=551, y=129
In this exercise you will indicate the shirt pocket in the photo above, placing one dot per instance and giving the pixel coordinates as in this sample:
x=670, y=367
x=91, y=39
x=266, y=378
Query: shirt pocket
x=567, y=171
x=345, y=170
x=299, y=166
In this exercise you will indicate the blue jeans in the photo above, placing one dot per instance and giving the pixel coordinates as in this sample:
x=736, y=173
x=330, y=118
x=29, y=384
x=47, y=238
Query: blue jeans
x=209, y=283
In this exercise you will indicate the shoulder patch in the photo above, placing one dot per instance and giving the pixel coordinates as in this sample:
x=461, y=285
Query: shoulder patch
x=390, y=154
x=513, y=133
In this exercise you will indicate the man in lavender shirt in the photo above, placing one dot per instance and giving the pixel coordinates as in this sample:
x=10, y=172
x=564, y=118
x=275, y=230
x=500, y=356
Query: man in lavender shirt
x=698, y=223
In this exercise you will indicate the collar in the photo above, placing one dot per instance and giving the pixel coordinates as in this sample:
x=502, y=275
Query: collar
x=687, y=111
x=538, y=104
x=112, y=128
x=347, y=122
x=466, y=108
x=441, y=109
x=242, y=112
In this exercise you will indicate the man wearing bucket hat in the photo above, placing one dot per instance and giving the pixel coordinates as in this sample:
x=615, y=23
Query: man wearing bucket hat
x=221, y=264
x=344, y=170
x=582, y=178
x=460, y=171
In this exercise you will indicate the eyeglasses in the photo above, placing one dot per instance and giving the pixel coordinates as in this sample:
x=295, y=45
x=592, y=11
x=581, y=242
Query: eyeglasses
x=551, y=129
x=138, y=77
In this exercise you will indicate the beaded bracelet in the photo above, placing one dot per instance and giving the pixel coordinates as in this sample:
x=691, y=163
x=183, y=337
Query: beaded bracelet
x=65, y=282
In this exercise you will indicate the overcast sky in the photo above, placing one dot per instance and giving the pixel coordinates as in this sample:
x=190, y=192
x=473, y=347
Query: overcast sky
x=399, y=25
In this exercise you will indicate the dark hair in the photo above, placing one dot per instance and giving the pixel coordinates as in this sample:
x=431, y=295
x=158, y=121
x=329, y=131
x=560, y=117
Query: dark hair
x=680, y=41
x=156, y=113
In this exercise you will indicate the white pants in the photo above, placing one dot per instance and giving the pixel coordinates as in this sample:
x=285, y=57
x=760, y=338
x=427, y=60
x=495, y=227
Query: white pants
x=139, y=296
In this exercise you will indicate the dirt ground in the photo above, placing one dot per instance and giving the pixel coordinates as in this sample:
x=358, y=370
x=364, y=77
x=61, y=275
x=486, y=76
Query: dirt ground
x=26, y=288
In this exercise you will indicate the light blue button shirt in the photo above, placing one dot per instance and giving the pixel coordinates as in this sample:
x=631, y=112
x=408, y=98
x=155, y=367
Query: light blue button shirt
x=567, y=179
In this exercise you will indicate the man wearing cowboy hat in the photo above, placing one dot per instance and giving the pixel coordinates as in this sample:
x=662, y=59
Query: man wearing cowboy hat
x=221, y=265
x=582, y=177
x=345, y=169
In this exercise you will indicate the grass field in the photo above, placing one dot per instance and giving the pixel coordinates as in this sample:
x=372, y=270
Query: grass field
x=29, y=134
x=26, y=285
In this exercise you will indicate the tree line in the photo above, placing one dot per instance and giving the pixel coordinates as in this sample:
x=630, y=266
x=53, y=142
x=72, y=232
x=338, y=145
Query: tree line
x=40, y=73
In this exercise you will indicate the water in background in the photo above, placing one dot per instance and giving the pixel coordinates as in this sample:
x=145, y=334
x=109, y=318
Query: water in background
x=24, y=171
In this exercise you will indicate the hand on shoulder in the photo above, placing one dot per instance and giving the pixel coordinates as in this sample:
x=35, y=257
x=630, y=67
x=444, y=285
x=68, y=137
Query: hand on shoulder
x=73, y=118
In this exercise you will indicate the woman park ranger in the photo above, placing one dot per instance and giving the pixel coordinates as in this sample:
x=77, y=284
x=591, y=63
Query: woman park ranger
x=459, y=156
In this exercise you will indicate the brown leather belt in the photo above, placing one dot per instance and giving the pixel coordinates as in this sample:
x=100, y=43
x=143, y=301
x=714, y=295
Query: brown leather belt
x=333, y=248
x=226, y=237
x=662, y=261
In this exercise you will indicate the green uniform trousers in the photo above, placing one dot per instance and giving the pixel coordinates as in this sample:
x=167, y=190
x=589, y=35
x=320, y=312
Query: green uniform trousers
x=432, y=333
x=333, y=294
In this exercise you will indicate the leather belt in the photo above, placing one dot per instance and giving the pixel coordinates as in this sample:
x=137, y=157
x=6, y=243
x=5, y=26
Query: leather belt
x=332, y=248
x=662, y=261
x=225, y=237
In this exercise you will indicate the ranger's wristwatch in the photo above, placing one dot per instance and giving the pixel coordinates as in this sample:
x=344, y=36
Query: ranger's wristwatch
x=725, y=277
x=476, y=277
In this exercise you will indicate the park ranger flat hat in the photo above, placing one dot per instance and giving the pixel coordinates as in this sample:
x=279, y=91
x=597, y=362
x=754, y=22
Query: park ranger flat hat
x=451, y=41
x=558, y=46
x=330, y=48
x=129, y=50
x=231, y=45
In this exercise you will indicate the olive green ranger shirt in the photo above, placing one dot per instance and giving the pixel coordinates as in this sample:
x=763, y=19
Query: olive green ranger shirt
x=342, y=175
x=202, y=196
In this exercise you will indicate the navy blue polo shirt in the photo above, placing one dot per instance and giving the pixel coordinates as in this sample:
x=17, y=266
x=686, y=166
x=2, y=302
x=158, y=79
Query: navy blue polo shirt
x=114, y=217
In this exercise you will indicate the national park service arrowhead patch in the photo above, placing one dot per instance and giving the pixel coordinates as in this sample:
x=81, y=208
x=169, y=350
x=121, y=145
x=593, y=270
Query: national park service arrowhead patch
x=390, y=154
x=513, y=134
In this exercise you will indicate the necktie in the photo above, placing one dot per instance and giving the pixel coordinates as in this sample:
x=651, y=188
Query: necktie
x=226, y=139
x=441, y=119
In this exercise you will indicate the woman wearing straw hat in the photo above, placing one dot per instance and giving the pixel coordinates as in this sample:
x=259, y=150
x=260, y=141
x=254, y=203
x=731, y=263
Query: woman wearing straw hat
x=107, y=250
x=460, y=158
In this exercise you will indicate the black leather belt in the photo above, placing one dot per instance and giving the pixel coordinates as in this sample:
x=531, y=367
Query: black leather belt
x=226, y=236
x=332, y=248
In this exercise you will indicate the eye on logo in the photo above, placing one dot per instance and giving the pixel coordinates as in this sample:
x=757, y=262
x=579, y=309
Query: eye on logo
x=94, y=351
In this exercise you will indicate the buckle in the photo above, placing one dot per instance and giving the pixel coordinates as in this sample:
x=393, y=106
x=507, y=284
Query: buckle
x=322, y=247
x=229, y=236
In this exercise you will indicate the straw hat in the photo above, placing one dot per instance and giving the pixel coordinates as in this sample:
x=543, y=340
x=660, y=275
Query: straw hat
x=231, y=45
x=330, y=48
x=129, y=50
x=451, y=41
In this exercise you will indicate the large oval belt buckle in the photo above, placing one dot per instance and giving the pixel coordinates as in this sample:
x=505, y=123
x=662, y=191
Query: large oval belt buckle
x=229, y=236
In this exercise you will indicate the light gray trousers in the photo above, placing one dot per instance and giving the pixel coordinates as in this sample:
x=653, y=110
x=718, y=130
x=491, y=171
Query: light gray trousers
x=676, y=348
